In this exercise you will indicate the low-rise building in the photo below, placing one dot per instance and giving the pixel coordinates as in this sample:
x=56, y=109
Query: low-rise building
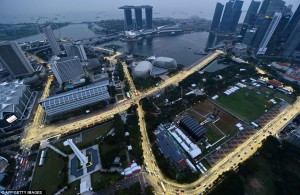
x=196, y=130
x=240, y=49
x=281, y=65
x=76, y=99
x=14, y=101
x=170, y=149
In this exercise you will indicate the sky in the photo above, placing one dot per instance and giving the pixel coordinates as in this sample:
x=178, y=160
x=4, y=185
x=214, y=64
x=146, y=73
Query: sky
x=80, y=10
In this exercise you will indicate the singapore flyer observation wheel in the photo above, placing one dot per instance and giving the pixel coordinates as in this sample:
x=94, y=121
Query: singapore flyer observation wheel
x=42, y=22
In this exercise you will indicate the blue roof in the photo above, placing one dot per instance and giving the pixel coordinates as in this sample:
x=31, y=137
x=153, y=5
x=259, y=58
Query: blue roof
x=193, y=127
x=168, y=147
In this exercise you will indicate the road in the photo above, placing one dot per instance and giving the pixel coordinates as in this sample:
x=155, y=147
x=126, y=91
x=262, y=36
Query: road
x=37, y=132
x=243, y=152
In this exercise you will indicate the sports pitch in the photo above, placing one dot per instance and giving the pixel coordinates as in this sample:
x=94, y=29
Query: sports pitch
x=246, y=103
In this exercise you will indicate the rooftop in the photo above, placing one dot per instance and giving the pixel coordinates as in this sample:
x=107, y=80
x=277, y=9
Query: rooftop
x=168, y=147
x=10, y=94
x=132, y=6
x=193, y=127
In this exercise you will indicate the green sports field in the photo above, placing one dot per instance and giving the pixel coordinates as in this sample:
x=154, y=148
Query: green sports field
x=245, y=103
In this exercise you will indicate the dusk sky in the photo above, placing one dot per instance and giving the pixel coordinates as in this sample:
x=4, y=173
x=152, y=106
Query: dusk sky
x=22, y=10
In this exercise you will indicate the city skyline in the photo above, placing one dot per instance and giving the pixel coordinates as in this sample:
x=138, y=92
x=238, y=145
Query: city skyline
x=80, y=11
x=150, y=98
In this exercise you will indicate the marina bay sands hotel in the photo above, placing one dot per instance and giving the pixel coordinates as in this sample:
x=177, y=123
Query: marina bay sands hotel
x=137, y=24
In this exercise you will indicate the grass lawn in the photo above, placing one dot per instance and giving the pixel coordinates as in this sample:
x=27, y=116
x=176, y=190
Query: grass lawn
x=195, y=115
x=227, y=123
x=51, y=176
x=245, y=103
x=103, y=180
x=277, y=94
x=204, y=108
x=73, y=189
x=212, y=133
x=89, y=137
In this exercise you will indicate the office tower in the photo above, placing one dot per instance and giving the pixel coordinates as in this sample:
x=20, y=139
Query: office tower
x=231, y=16
x=225, y=22
x=14, y=60
x=292, y=42
x=264, y=7
x=292, y=24
x=244, y=30
x=249, y=35
x=272, y=27
x=261, y=31
x=275, y=44
x=128, y=22
x=138, y=18
x=67, y=69
x=251, y=13
x=275, y=5
x=148, y=10
x=76, y=49
x=52, y=40
x=217, y=17
x=210, y=41
x=236, y=14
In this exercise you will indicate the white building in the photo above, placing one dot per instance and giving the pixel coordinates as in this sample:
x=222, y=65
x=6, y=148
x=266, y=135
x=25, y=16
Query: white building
x=14, y=101
x=264, y=43
x=142, y=69
x=76, y=49
x=67, y=69
x=165, y=62
x=52, y=40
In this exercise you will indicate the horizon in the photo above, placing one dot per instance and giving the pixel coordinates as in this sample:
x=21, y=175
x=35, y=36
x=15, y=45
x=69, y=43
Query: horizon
x=94, y=10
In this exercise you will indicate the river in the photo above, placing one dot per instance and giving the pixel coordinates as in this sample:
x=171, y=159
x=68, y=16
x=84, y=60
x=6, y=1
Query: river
x=180, y=47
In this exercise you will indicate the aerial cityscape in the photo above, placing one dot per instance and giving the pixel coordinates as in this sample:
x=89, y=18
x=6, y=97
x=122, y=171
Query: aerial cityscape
x=149, y=97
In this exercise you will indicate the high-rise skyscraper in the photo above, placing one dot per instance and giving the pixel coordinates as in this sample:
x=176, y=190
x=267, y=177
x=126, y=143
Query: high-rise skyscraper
x=262, y=27
x=292, y=24
x=243, y=30
x=76, y=49
x=67, y=69
x=52, y=40
x=231, y=16
x=138, y=18
x=251, y=13
x=225, y=22
x=275, y=44
x=275, y=5
x=249, y=35
x=14, y=60
x=264, y=7
x=128, y=22
x=138, y=23
x=293, y=41
x=236, y=14
x=274, y=23
x=217, y=16
x=149, y=13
